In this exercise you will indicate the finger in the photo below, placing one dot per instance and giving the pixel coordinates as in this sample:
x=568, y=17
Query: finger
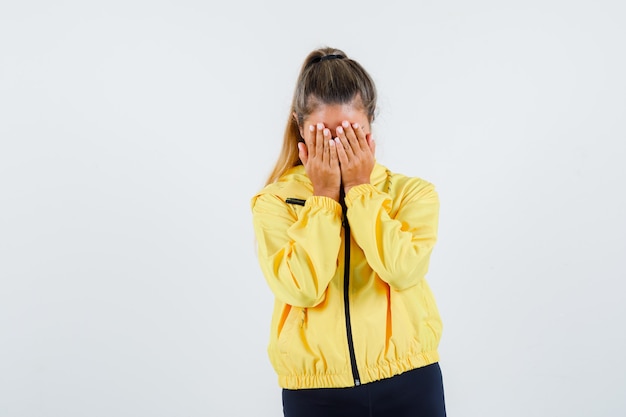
x=334, y=161
x=327, y=139
x=319, y=139
x=341, y=152
x=345, y=143
x=360, y=136
x=302, y=153
x=351, y=135
x=326, y=157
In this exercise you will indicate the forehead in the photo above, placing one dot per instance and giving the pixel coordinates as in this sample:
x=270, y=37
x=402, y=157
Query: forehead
x=333, y=114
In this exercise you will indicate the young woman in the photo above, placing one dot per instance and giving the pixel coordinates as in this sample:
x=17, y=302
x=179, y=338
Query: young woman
x=344, y=245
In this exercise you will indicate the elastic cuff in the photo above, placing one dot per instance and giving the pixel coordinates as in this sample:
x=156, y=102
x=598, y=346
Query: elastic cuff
x=358, y=191
x=323, y=202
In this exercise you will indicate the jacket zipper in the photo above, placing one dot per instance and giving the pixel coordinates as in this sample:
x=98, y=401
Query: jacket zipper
x=346, y=288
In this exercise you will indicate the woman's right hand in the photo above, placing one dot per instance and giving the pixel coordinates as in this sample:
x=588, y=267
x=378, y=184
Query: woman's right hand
x=319, y=157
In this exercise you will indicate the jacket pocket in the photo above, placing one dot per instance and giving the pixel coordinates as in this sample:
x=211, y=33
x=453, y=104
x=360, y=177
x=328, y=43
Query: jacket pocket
x=290, y=329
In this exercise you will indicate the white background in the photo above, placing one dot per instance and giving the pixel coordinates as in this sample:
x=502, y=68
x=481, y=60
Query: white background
x=133, y=134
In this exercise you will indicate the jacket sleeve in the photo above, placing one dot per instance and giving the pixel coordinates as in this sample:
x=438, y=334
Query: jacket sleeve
x=298, y=254
x=398, y=246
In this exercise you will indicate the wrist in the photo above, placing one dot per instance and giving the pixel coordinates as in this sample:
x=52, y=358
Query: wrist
x=327, y=193
x=348, y=187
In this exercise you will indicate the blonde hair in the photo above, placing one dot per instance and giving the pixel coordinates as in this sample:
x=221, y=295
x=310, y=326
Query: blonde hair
x=327, y=76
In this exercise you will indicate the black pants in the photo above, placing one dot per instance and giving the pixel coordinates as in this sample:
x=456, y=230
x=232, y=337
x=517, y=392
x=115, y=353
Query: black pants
x=416, y=393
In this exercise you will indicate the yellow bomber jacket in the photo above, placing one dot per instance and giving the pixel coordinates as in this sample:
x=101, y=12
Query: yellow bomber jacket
x=351, y=302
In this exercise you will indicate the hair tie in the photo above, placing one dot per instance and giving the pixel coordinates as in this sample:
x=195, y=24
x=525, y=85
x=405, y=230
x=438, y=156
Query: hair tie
x=327, y=57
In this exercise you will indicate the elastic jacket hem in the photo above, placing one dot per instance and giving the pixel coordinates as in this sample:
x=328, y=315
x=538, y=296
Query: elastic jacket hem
x=383, y=370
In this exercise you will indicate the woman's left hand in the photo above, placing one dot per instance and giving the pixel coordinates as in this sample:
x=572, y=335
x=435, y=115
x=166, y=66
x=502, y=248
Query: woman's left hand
x=355, y=150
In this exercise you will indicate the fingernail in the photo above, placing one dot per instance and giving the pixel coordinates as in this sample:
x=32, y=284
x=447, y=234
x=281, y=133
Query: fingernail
x=326, y=132
x=311, y=128
x=345, y=123
x=320, y=126
x=339, y=130
x=356, y=125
